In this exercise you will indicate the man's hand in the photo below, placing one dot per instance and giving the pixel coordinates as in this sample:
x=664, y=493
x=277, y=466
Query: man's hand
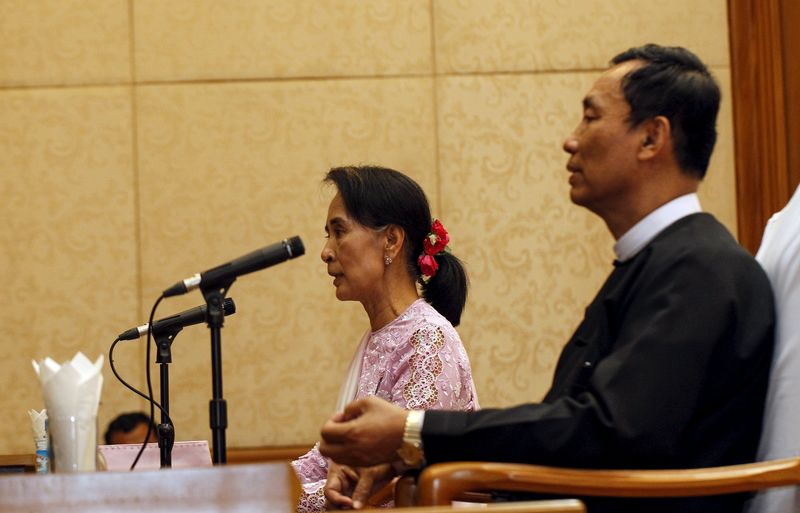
x=367, y=433
x=350, y=489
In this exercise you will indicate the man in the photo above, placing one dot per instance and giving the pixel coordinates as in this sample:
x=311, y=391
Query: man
x=130, y=428
x=669, y=367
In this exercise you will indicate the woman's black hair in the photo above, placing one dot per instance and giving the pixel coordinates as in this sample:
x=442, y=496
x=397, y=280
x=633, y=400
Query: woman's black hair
x=377, y=197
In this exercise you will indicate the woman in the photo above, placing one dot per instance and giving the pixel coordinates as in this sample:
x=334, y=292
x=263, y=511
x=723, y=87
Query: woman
x=382, y=243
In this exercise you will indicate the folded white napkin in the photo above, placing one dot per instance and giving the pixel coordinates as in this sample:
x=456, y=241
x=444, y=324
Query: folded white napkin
x=72, y=395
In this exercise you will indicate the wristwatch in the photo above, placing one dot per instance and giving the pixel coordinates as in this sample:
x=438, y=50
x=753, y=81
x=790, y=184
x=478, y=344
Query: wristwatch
x=410, y=450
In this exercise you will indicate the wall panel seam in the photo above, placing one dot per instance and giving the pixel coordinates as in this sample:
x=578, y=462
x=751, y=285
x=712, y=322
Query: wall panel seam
x=267, y=80
x=136, y=185
x=435, y=113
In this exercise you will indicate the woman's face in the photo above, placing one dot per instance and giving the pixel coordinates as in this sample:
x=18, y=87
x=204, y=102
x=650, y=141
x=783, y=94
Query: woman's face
x=354, y=254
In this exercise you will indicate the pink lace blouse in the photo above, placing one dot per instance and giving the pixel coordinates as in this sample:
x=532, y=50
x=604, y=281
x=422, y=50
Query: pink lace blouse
x=417, y=361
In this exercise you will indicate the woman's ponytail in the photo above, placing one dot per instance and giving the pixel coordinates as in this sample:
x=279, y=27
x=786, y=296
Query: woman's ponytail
x=446, y=291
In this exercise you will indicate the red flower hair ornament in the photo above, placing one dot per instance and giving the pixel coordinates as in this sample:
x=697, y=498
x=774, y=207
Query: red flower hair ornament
x=433, y=244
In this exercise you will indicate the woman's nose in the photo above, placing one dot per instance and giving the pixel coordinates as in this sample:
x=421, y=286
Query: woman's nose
x=327, y=254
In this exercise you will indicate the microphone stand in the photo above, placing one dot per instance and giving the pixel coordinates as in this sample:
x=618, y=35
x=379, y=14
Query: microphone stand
x=218, y=408
x=166, y=432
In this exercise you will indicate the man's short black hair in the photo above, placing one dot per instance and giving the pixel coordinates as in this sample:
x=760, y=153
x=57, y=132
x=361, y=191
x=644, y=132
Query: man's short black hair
x=674, y=83
x=125, y=423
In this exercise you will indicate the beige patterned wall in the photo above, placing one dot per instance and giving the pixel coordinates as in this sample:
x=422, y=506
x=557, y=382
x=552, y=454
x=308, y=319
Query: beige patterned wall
x=144, y=140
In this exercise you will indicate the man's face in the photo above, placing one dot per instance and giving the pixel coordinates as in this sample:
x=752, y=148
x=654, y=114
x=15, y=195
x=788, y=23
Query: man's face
x=603, y=147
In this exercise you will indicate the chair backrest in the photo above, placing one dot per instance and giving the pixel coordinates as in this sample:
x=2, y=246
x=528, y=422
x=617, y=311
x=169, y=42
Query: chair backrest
x=779, y=255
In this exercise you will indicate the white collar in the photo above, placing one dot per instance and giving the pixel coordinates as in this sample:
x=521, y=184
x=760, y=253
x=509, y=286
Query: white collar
x=645, y=230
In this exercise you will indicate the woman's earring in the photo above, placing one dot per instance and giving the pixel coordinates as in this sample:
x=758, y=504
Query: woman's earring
x=387, y=259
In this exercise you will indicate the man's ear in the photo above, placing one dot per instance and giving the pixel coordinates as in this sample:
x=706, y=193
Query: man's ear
x=395, y=236
x=656, y=137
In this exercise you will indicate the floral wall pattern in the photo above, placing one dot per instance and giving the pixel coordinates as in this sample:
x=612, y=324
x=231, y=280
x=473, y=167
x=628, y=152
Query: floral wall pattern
x=144, y=140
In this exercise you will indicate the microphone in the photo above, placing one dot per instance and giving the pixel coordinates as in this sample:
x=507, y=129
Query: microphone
x=188, y=317
x=255, y=261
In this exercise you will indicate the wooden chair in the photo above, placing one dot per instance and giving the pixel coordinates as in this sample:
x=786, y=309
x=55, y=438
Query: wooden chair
x=445, y=482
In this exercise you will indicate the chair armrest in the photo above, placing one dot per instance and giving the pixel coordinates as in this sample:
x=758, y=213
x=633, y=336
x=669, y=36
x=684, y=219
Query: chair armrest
x=554, y=506
x=382, y=496
x=439, y=484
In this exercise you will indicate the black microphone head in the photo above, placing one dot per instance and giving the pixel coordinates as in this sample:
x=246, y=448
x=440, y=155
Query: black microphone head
x=296, y=247
x=228, y=306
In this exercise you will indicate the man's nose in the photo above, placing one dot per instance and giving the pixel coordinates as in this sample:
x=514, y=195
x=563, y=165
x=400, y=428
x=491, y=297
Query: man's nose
x=570, y=144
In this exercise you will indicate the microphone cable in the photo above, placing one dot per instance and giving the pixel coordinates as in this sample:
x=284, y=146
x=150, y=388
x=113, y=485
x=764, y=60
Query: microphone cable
x=149, y=397
x=122, y=380
x=150, y=382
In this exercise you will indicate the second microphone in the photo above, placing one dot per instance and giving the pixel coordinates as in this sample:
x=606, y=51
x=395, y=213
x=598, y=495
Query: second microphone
x=188, y=317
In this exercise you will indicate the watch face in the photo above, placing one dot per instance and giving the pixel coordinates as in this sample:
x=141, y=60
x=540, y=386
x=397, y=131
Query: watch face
x=410, y=454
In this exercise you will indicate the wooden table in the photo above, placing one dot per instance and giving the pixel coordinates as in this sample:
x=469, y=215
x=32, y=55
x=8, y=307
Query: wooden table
x=17, y=463
x=232, y=488
x=257, y=488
